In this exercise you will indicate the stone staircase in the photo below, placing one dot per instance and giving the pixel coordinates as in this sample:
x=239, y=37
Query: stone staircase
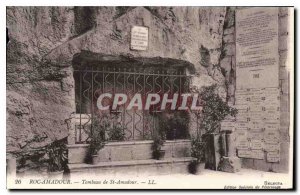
x=132, y=157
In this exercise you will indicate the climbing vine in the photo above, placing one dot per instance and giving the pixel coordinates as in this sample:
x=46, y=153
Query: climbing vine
x=214, y=110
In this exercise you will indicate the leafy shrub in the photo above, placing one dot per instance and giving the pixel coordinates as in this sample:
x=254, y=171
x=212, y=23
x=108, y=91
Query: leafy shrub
x=57, y=153
x=96, y=133
x=159, y=137
x=158, y=142
x=214, y=110
x=177, y=127
x=198, y=148
x=116, y=133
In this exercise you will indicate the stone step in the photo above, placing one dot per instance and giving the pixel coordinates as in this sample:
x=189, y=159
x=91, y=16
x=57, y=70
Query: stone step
x=134, y=167
x=130, y=151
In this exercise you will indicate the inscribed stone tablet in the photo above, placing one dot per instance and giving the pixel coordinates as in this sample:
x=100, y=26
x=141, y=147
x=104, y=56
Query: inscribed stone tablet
x=273, y=156
x=271, y=147
x=242, y=144
x=256, y=37
x=244, y=153
x=139, y=38
x=228, y=125
x=256, y=145
x=257, y=154
x=271, y=136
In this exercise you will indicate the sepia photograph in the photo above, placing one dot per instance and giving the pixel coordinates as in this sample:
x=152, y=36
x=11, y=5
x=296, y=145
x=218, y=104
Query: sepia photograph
x=150, y=97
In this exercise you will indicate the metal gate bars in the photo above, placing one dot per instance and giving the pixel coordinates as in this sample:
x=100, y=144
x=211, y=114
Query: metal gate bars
x=123, y=124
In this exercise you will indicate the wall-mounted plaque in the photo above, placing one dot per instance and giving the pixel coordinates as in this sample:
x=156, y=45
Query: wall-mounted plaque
x=256, y=144
x=258, y=135
x=272, y=117
x=242, y=144
x=241, y=107
x=244, y=100
x=271, y=137
x=256, y=116
x=257, y=154
x=256, y=98
x=271, y=147
x=241, y=134
x=273, y=156
x=271, y=127
x=244, y=153
x=254, y=107
x=242, y=126
x=228, y=125
x=139, y=38
x=242, y=116
x=271, y=90
x=256, y=125
x=271, y=104
x=256, y=37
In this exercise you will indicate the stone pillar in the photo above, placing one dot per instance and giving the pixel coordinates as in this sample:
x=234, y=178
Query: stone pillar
x=71, y=122
x=11, y=169
x=212, y=152
x=229, y=145
x=223, y=145
x=229, y=162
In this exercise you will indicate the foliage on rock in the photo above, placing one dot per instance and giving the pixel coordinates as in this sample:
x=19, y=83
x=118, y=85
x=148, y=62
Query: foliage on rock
x=57, y=153
x=116, y=133
x=198, y=148
x=96, y=132
x=158, y=142
x=214, y=110
x=159, y=137
x=51, y=157
x=101, y=131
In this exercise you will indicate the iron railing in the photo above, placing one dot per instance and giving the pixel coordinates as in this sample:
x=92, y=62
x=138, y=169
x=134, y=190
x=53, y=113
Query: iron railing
x=92, y=81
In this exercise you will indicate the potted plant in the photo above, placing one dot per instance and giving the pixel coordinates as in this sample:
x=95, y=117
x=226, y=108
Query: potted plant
x=159, y=138
x=116, y=133
x=57, y=158
x=157, y=151
x=97, y=139
x=198, y=152
x=177, y=125
x=214, y=110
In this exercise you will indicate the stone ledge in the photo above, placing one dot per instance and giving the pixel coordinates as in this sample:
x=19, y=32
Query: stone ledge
x=127, y=60
x=129, y=150
x=80, y=166
x=130, y=143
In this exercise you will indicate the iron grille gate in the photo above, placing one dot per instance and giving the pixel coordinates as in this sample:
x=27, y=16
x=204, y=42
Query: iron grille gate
x=135, y=124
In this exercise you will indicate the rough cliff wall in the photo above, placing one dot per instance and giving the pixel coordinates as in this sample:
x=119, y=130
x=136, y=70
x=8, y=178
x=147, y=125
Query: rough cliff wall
x=43, y=41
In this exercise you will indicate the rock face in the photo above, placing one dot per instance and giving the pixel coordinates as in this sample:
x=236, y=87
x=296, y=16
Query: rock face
x=38, y=93
x=44, y=40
